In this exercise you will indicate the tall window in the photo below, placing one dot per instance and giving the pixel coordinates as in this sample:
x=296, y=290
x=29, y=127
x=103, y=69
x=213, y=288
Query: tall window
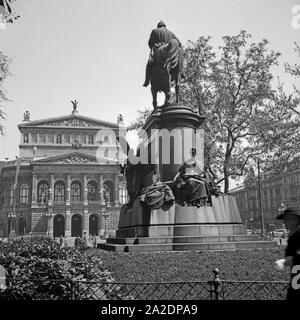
x=92, y=191
x=43, y=192
x=59, y=139
x=75, y=192
x=23, y=194
x=26, y=138
x=59, y=192
x=123, y=193
x=91, y=139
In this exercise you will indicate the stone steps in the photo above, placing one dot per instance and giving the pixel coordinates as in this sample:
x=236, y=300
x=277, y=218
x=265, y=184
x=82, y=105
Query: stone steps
x=186, y=246
x=183, y=239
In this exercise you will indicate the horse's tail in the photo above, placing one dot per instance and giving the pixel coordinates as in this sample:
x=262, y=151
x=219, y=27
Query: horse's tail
x=173, y=55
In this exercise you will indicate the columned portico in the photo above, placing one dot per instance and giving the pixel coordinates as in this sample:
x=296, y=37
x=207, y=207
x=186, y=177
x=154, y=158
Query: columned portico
x=64, y=169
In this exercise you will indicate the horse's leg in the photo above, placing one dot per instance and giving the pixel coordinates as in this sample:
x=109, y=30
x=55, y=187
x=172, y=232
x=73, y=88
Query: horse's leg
x=168, y=93
x=154, y=96
x=177, y=89
x=168, y=97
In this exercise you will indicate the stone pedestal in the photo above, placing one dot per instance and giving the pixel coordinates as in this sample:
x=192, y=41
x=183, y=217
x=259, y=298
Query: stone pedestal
x=216, y=227
x=171, y=133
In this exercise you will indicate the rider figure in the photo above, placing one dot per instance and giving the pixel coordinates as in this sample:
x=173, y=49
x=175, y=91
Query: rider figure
x=158, y=37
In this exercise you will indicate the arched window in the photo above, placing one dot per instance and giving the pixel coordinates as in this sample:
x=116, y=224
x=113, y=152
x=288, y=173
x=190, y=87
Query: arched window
x=23, y=194
x=59, y=192
x=43, y=192
x=123, y=196
x=92, y=191
x=75, y=192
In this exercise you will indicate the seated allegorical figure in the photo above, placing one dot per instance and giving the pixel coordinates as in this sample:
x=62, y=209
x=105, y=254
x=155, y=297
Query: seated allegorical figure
x=191, y=182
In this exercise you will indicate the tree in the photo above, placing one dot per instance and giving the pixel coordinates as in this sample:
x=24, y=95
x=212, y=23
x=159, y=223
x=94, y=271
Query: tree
x=282, y=140
x=6, y=12
x=293, y=100
x=4, y=73
x=140, y=120
x=245, y=117
x=233, y=89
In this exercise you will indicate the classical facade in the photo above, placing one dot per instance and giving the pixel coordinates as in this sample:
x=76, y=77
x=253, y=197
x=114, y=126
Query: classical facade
x=277, y=192
x=66, y=180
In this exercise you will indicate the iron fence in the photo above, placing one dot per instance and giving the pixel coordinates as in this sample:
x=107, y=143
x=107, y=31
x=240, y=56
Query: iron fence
x=216, y=289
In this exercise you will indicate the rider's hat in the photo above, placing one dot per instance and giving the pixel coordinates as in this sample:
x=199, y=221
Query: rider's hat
x=289, y=211
x=161, y=24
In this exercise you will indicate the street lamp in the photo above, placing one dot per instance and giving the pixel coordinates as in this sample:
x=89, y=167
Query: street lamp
x=105, y=215
x=11, y=215
x=281, y=208
x=260, y=200
x=49, y=215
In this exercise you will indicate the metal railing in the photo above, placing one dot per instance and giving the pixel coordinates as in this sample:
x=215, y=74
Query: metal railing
x=216, y=289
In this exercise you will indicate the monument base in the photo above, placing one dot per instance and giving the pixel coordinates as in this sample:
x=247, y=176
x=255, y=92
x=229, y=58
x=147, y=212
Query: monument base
x=181, y=228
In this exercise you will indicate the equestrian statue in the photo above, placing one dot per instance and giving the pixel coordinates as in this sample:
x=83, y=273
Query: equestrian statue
x=165, y=64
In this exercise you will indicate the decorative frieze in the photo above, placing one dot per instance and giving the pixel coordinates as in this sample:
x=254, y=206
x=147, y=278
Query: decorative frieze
x=75, y=159
x=71, y=123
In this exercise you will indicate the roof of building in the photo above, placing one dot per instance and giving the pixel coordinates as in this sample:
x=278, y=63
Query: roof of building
x=65, y=121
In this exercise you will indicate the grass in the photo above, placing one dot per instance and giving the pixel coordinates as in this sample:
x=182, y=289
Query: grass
x=243, y=265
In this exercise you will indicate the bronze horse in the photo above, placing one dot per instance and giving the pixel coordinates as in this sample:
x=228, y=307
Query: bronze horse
x=166, y=69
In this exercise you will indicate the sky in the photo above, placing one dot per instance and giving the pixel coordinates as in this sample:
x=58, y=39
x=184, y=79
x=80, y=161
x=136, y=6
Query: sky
x=95, y=51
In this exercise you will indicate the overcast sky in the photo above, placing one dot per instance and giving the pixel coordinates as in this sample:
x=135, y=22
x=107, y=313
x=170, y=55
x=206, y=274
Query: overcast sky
x=95, y=51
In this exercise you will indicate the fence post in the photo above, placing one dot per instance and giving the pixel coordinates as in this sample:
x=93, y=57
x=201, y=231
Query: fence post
x=73, y=290
x=217, y=284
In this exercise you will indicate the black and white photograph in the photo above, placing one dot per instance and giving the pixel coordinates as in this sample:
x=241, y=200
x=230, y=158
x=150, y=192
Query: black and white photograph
x=149, y=154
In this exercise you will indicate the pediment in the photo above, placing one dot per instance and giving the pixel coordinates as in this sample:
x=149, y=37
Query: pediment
x=74, y=158
x=68, y=121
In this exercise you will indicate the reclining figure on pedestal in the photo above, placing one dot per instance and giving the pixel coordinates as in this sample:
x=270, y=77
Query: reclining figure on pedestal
x=158, y=195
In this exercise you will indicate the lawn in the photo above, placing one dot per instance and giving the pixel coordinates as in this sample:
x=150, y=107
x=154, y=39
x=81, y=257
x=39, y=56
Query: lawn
x=254, y=264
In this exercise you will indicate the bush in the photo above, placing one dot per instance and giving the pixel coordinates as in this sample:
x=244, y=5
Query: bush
x=41, y=259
